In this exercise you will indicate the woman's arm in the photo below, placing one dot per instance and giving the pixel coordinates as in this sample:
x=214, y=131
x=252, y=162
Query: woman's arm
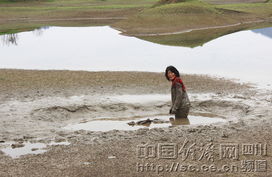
x=178, y=97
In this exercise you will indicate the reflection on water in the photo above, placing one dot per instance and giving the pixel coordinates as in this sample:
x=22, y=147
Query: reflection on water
x=40, y=31
x=9, y=39
x=26, y=148
x=12, y=39
x=264, y=31
x=244, y=55
x=150, y=122
x=179, y=121
x=17, y=149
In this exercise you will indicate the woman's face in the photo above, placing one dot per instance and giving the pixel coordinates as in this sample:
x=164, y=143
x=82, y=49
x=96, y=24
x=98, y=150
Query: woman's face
x=171, y=75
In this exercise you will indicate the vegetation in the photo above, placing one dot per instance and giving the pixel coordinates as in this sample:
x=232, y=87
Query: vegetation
x=45, y=9
x=19, y=16
x=192, y=14
x=139, y=18
x=198, y=38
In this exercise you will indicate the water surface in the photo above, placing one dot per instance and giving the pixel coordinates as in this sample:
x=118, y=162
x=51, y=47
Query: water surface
x=244, y=55
x=26, y=148
x=107, y=125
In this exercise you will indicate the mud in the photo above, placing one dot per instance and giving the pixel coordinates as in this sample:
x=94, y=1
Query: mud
x=79, y=97
x=141, y=122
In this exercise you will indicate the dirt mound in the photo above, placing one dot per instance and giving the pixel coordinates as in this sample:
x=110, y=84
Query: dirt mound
x=62, y=113
x=223, y=107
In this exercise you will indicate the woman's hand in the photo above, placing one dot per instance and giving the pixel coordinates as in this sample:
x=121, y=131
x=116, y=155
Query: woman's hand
x=172, y=111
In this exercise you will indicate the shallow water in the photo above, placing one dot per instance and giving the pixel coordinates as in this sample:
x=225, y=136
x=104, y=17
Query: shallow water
x=167, y=121
x=244, y=55
x=26, y=148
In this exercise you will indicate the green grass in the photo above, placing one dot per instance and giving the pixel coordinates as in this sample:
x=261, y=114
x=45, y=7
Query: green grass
x=262, y=9
x=64, y=9
x=78, y=3
x=23, y=1
x=188, y=7
x=117, y=6
x=144, y=17
x=192, y=14
x=19, y=27
x=198, y=38
x=69, y=8
x=11, y=28
x=176, y=17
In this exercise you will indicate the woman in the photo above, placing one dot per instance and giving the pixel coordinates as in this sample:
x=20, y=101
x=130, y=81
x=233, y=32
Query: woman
x=180, y=101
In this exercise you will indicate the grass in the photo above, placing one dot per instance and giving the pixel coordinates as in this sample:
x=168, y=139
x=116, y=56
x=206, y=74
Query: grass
x=11, y=28
x=260, y=9
x=192, y=14
x=17, y=16
x=69, y=8
x=198, y=38
x=176, y=17
x=188, y=7
x=117, y=6
x=144, y=17
x=233, y=1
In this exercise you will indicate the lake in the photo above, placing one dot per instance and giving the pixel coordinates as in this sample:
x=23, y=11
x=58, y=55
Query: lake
x=244, y=55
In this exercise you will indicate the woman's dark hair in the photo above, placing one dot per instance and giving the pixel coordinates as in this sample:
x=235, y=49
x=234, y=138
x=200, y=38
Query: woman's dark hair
x=173, y=70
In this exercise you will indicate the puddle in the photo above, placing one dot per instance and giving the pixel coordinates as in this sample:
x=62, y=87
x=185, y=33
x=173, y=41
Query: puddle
x=149, y=122
x=17, y=149
x=58, y=143
x=23, y=148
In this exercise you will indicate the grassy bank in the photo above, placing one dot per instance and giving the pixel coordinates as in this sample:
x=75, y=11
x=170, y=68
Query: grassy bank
x=19, y=16
x=24, y=25
x=69, y=8
x=192, y=14
x=199, y=38
x=141, y=18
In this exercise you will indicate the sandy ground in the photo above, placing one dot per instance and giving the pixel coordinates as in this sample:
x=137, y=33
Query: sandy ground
x=36, y=105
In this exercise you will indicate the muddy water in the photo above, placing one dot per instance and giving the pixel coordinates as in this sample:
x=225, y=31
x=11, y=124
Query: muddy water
x=244, y=55
x=17, y=149
x=144, y=122
x=23, y=149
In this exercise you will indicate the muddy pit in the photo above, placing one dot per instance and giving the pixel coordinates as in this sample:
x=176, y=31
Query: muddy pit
x=240, y=116
x=108, y=124
x=85, y=117
x=129, y=113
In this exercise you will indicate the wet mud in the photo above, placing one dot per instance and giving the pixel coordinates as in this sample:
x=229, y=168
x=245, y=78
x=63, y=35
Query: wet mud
x=41, y=118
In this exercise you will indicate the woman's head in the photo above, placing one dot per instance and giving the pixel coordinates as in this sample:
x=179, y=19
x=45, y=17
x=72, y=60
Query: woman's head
x=171, y=72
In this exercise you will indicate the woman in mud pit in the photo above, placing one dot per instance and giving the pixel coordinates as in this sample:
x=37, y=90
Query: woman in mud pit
x=180, y=101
